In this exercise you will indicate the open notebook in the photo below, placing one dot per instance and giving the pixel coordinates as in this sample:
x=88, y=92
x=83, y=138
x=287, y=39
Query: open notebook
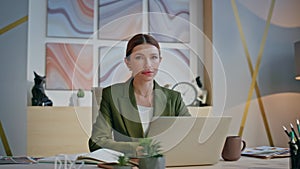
x=190, y=140
x=99, y=156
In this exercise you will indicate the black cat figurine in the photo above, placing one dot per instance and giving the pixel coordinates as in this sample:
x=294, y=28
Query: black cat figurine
x=39, y=97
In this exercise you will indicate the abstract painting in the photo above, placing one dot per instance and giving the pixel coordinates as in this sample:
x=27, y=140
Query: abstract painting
x=112, y=68
x=119, y=20
x=70, y=18
x=69, y=66
x=169, y=20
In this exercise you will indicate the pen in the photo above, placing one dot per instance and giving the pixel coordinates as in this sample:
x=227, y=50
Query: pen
x=292, y=137
x=298, y=126
x=293, y=130
x=285, y=130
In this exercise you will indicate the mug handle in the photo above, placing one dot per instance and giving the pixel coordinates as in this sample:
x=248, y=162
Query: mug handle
x=244, y=145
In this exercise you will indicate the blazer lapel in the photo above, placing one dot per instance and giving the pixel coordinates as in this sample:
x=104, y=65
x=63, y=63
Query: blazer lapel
x=128, y=110
x=160, y=101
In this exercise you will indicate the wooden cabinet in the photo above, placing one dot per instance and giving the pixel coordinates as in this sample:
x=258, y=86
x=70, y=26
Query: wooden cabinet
x=58, y=130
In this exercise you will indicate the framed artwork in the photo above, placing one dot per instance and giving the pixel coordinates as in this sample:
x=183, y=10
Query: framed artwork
x=112, y=68
x=70, y=18
x=69, y=66
x=118, y=20
x=169, y=20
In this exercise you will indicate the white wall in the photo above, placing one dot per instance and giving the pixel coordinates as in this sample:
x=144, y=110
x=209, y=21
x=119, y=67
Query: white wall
x=13, y=47
x=279, y=91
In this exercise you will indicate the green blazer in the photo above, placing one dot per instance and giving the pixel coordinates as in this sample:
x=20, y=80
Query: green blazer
x=119, y=115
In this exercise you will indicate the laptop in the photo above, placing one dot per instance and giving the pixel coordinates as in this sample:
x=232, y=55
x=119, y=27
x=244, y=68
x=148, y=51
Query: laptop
x=188, y=140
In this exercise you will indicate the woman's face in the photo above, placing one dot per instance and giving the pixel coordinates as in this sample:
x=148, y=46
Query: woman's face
x=144, y=62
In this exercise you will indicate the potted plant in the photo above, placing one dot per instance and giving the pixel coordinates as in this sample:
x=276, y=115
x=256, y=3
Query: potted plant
x=123, y=163
x=80, y=93
x=80, y=96
x=151, y=155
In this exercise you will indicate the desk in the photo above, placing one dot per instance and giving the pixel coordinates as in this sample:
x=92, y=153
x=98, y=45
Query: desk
x=247, y=163
x=243, y=163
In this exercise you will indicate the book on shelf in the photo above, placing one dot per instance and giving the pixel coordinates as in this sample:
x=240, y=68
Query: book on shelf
x=99, y=156
x=266, y=152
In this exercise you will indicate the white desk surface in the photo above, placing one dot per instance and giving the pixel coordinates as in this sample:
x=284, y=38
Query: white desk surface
x=243, y=163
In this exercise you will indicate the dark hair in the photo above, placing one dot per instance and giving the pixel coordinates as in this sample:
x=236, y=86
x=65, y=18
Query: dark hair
x=138, y=40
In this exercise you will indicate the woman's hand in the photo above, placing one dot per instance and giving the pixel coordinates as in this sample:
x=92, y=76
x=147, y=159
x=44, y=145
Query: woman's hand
x=139, y=151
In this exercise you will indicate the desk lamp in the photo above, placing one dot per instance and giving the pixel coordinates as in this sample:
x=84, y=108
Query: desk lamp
x=297, y=59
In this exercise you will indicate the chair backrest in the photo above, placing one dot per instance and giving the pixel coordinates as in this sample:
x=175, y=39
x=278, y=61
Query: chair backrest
x=4, y=141
x=200, y=111
x=96, y=99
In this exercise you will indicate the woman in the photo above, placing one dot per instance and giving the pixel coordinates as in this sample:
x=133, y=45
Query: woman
x=127, y=108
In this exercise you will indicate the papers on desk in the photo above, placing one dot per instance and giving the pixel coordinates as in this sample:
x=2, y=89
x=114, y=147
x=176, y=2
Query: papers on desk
x=16, y=160
x=266, y=152
x=99, y=156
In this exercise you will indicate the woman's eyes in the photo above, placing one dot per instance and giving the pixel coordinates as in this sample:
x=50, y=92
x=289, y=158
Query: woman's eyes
x=154, y=57
x=138, y=57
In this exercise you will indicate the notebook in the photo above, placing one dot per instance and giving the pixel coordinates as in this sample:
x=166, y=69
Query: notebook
x=190, y=140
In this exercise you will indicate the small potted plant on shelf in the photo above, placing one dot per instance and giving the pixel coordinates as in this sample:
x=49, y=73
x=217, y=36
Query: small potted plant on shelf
x=80, y=93
x=80, y=96
x=151, y=157
x=123, y=163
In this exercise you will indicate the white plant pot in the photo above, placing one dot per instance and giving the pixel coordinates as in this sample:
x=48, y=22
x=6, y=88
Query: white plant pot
x=80, y=101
